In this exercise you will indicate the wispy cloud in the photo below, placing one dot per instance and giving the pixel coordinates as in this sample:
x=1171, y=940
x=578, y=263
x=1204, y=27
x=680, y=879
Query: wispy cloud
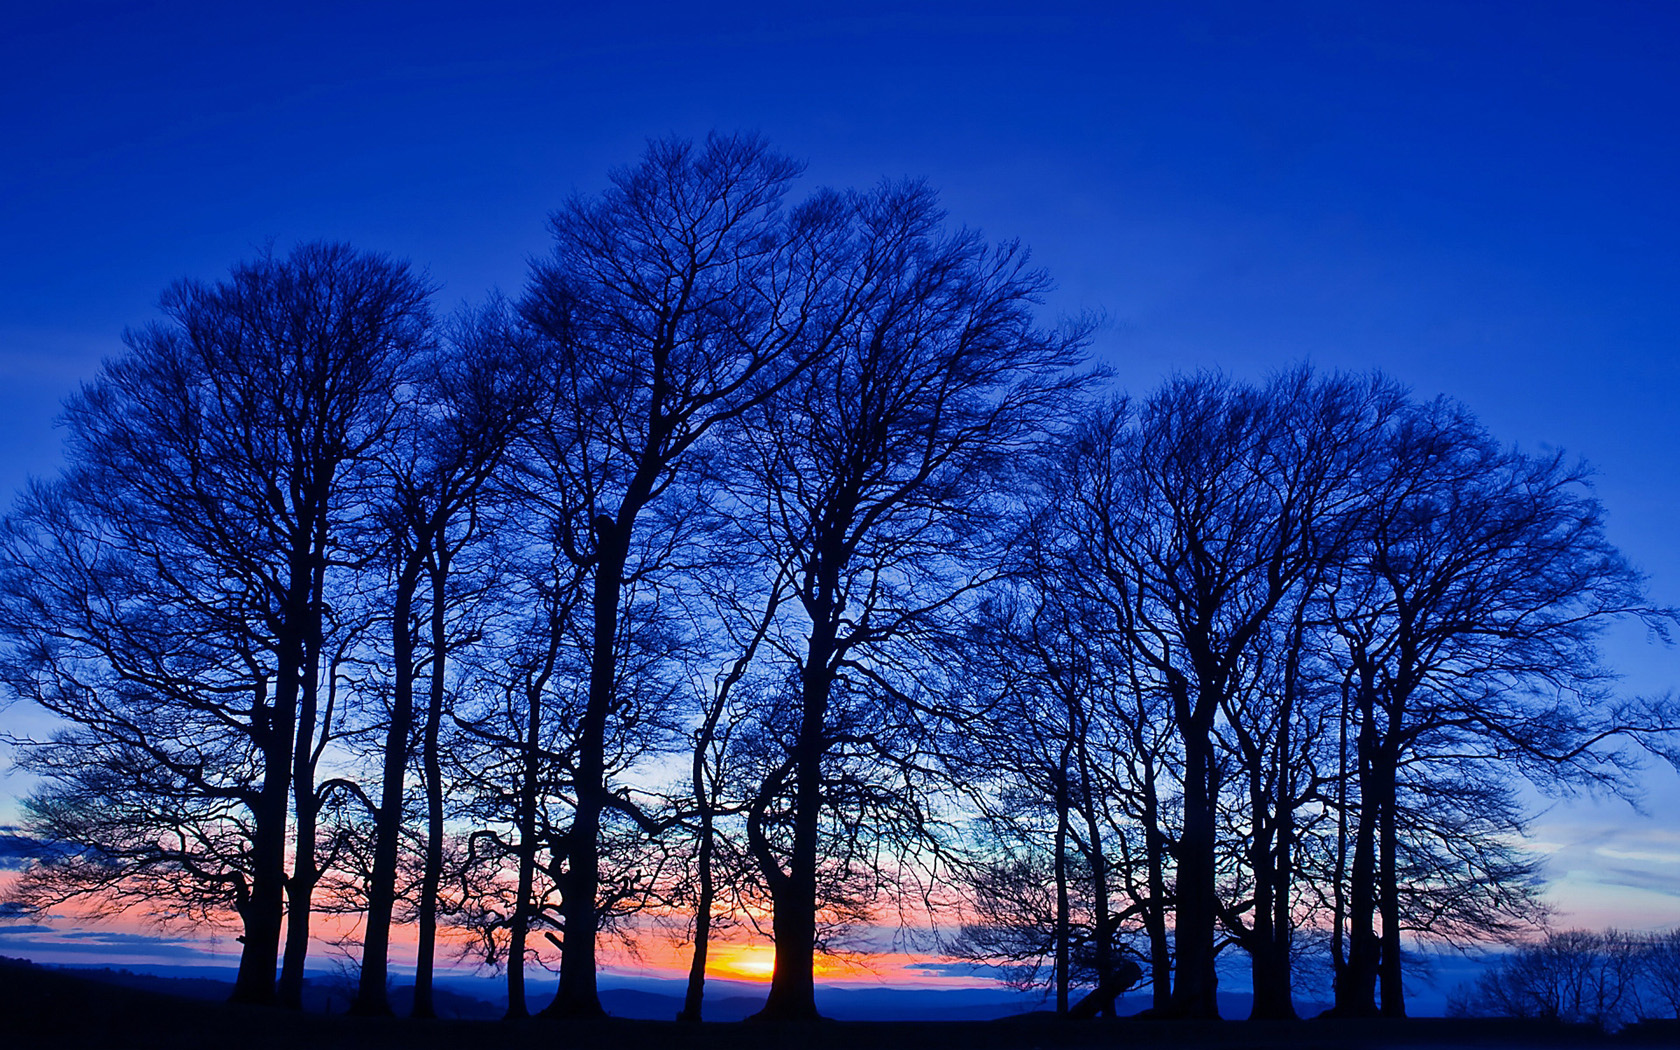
x=957, y=968
x=16, y=849
x=51, y=944
x=1647, y=879
x=25, y=931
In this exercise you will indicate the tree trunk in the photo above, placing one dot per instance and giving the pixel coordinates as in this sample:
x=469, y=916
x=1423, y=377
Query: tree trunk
x=257, y=961
x=521, y=924
x=300, y=888
x=432, y=767
x=1393, y=992
x=794, y=924
x=1282, y=1006
x=1338, y=899
x=1272, y=966
x=1356, y=986
x=1267, y=943
x=578, y=995
x=1102, y=920
x=1274, y=925
x=262, y=915
x=1155, y=914
x=1196, y=983
x=371, y=998
x=793, y=995
x=693, y=997
x=1063, y=920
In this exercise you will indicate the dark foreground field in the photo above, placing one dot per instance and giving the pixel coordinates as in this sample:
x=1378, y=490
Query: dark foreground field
x=53, y=1009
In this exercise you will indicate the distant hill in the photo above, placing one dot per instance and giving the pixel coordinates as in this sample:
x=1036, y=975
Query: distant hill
x=321, y=995
x=653, y=999
x=888, y=1004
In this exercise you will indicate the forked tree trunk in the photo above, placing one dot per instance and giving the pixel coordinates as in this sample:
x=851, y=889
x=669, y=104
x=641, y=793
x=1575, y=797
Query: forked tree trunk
x=266, y=911
x=1155, y=915
x=300, y=888
x=1196, y=984
x=1356, y=985
x=263, y=912
x=1273, y=923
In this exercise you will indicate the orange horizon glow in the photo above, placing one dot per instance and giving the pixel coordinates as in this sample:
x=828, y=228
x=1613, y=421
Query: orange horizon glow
x=650, y=953
x=741, y=962
x=754, y=961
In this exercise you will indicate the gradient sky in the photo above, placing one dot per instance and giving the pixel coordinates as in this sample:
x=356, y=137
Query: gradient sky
x=1479, y=199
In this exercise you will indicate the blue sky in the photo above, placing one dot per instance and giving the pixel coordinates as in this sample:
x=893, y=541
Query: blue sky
x=1478, y=199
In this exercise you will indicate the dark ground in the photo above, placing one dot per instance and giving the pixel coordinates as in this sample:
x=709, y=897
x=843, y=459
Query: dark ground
x=45, y=1007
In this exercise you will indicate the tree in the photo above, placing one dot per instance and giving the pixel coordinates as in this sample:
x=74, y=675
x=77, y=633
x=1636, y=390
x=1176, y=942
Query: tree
x=1194, y=522
x=1042, y=749
x=1466, y=620
x=510, y=759
x=674, y=302
x=713, y=788
x=1659, y=971
x=1577, y=976
x=473, y=397
x=168, y=596
x=879, y=476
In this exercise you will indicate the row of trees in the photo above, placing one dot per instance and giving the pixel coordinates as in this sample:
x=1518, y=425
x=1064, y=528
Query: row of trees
x=770, y=563
x=1284, y=648
x=1608, y=978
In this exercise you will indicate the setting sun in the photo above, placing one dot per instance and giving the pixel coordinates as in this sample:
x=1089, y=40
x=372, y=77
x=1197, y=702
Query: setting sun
x=746, y=962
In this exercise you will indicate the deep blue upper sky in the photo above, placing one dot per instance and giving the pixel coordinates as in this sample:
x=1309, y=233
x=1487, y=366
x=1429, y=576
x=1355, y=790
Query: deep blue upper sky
x=1476, y=198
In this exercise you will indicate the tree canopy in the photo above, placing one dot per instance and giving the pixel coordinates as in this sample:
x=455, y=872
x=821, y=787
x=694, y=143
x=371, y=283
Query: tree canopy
x=772, y=563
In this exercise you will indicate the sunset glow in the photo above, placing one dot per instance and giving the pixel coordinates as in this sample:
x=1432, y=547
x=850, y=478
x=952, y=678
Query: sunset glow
x=742, y=962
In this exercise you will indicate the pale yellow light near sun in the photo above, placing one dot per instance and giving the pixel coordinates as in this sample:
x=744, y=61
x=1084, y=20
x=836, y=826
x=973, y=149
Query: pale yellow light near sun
x=751, y=962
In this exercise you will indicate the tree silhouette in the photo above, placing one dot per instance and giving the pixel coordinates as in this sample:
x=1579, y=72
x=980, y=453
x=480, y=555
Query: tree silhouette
x=675, y=301
x=473, y=395
x=764, y=563
x=878, y=476
x=168, y=596
x=1466, y=620
x=1195, y=521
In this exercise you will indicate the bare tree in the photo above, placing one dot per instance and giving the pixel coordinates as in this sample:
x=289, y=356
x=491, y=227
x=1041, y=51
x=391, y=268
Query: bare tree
x=514, y=732
x=743, y=608
x=878, y=475
x=1466, y=621
x=673, y=302
x=474, y=395
x=1577, y=976
x=1039, y=762
x=1659, y=975
x=1195, y=522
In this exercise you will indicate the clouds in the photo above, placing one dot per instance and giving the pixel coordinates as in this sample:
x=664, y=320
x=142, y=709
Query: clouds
x=958, y=968
x=1611, y=867
x=114, y=945
x=9, y=933
x=16, y=850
